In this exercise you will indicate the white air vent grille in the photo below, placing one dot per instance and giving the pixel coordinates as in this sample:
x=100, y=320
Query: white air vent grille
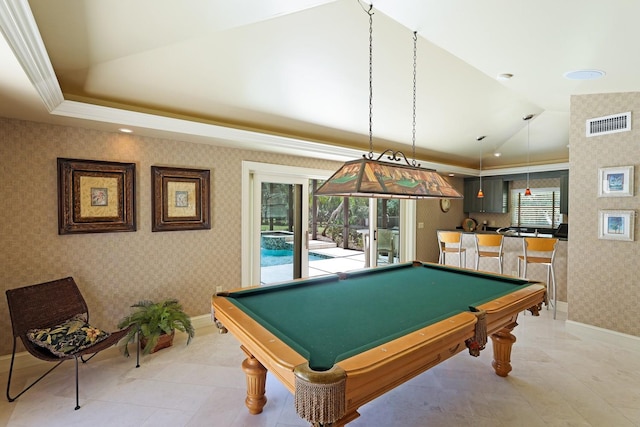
x=609, y=124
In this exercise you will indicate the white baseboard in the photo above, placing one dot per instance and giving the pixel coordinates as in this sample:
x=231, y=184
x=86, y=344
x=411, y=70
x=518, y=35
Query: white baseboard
x=25, y=360
x=202, y=321
x=563, y=307
x=629, y=342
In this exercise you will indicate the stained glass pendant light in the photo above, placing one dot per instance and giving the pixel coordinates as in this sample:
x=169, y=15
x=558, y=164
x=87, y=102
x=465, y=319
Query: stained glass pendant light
x=367, y=177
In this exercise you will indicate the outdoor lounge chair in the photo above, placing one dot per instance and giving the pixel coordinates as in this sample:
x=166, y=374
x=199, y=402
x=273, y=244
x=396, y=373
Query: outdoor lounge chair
x=52, y=319
x=386, y=244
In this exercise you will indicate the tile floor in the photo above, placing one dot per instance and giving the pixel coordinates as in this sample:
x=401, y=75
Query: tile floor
x=338, y=261
x=558, y=379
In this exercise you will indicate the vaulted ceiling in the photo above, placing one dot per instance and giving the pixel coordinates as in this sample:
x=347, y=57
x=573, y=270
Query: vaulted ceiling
x=298, y=71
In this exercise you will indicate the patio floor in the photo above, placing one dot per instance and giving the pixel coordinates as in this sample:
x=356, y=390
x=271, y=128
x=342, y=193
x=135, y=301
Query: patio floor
x=339, y=261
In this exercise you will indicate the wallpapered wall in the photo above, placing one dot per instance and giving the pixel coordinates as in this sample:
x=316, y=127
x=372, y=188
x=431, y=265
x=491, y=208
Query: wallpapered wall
x=604, y=275
x=428, y=213
x=115, y=270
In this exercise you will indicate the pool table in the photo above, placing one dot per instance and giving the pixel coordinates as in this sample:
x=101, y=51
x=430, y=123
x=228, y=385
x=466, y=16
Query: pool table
x=339, y=341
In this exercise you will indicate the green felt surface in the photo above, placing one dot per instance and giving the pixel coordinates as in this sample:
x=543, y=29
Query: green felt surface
x=327, y=320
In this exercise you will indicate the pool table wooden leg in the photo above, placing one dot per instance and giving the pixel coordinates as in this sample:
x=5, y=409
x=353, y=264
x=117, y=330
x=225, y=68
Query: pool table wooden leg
x=502, y=342
x=256, y=381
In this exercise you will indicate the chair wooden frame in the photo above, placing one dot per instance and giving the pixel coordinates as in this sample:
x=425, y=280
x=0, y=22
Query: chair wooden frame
x=489, y=246
x=45, y=305
x=544, y=253
x=451, y=238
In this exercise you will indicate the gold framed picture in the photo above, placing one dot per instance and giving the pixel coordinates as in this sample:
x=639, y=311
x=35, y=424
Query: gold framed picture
x=95, y=196
x=180, y=199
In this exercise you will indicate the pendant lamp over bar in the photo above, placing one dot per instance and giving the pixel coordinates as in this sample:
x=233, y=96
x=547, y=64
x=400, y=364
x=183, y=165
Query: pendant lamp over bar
x=367, y=177
x=480, y=192
x=527, y=118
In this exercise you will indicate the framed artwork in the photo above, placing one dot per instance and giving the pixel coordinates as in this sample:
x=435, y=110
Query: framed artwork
x=615, y=181
x=180, y=199
x=95, y=196
x=616, y=225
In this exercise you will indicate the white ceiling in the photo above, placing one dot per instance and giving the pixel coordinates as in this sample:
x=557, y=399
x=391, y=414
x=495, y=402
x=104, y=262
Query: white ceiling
x=282, y=75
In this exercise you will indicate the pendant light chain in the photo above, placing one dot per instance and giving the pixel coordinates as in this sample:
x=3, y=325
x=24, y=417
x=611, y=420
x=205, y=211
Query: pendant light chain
x=481, y=167
x=528, y=151
x=415, y=56
x=528, y=118
x=480, y=192
x=370, y=13
x=385, y=179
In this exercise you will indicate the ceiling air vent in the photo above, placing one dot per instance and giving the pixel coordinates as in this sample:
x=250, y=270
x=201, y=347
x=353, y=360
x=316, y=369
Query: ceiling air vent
x=609, y=124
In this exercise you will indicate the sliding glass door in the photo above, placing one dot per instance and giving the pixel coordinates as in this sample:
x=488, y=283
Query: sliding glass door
x=284, y=224
x=388, y=232
x=281, y=234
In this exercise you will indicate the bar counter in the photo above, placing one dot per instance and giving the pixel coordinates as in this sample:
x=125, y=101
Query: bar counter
x=512, y=248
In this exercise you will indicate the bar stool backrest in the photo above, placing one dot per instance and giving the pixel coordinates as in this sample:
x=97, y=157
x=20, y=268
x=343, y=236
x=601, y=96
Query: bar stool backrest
x=540, y=244
x=449, y=236
x=489, y=239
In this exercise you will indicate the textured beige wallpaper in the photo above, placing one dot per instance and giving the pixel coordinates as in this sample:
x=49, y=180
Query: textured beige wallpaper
x=428, y=213
x=115, y=270
x=603, y=275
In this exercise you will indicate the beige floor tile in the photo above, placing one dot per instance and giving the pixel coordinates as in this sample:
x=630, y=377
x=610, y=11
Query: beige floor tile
x=558, y=379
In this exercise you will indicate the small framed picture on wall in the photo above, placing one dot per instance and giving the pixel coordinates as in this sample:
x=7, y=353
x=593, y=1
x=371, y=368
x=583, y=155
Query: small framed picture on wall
x=180, y=199
x=95, y=196
x=615, y=181
x=616, y=225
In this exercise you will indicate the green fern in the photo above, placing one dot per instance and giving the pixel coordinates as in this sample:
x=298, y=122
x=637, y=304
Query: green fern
x=153, y=319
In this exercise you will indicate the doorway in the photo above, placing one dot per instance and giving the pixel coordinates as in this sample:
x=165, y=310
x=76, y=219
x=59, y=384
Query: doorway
x=280, y=244
x=281, y=209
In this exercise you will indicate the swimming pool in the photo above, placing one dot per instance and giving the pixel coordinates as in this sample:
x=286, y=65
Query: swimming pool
x=270, y=257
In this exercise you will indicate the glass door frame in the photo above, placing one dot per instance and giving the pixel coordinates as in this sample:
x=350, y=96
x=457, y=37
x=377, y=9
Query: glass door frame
x=248, y=253
x=407, y=249
x=301, y=214
x=252, y=174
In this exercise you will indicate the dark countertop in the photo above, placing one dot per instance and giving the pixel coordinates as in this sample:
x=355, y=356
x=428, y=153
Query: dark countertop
x=525, y=232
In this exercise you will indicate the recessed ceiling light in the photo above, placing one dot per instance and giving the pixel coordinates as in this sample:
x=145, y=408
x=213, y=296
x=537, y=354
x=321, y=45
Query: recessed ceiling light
x=496, y=154
x=125, y=130
x=584, y=74
x=451, y=174
x=505, y=76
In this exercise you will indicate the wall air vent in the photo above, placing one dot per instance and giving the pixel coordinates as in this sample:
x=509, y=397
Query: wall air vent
x=609, y=124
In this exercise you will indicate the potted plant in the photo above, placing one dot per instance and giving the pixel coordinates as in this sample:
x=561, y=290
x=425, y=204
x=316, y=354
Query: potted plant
x=157, y=322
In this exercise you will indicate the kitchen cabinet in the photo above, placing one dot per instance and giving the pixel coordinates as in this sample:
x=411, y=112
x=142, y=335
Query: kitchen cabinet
x=564, y=194
x=495, y=190
x=471, y=203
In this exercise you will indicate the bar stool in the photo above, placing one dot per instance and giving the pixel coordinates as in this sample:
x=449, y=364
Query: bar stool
x=544, y=253
x=451, y=238
x=489, y=246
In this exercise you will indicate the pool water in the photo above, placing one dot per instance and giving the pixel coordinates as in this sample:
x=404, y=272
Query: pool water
x=270, y=257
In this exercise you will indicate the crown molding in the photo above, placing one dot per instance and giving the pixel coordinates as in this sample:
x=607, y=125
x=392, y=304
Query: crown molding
x=21, y=32
x=213, y=134
x=551, y=167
